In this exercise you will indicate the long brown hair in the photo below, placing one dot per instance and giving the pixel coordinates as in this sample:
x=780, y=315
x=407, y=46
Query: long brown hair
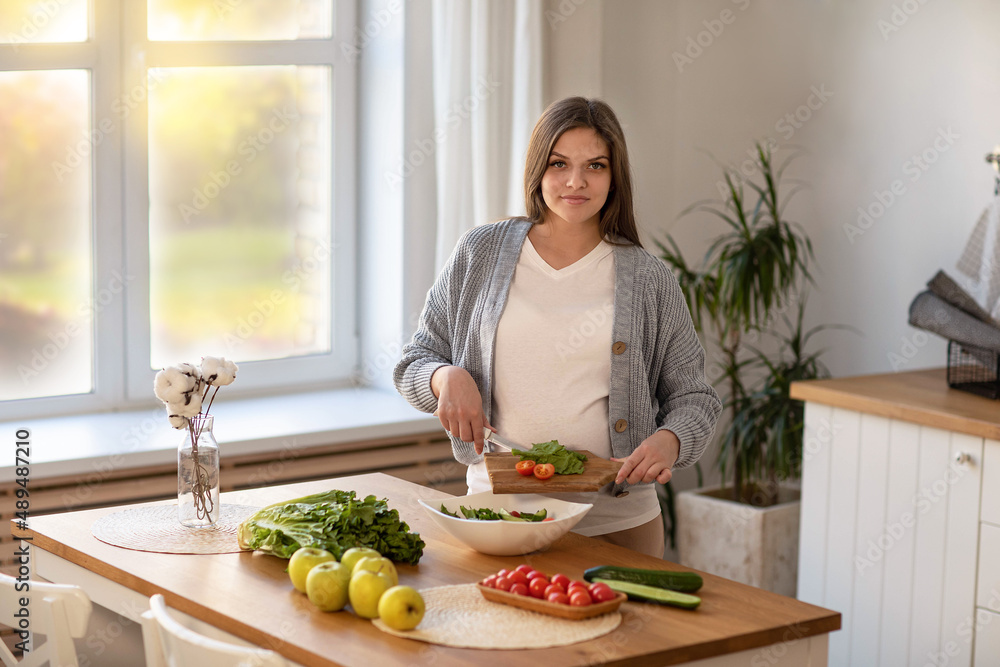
x=617, y=214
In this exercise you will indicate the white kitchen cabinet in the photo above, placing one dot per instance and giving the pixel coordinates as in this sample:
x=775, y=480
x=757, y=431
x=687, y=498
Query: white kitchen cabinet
x=900, y=526
x=987, y=639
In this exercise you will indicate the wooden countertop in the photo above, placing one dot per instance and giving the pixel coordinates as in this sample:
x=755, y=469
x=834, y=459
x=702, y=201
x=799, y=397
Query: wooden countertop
x=922, y=397
x=249, y=595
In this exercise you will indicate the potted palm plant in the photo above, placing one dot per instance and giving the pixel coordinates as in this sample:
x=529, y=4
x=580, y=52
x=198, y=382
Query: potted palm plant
x=752, y=277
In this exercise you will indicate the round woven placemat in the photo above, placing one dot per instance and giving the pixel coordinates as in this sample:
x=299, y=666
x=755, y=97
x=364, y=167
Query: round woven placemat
x=460, y=616
x=155, y=528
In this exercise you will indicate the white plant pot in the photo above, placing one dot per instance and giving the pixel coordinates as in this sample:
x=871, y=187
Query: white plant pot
x=758, y=546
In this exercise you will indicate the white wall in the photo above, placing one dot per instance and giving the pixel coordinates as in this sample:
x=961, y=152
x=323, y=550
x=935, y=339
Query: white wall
x=888, y=99
x=890, y=95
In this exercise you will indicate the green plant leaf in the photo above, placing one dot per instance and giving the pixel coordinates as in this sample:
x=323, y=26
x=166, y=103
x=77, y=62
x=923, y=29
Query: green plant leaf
x=752, y=270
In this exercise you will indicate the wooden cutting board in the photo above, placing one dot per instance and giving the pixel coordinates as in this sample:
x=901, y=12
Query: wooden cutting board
x=506, y=479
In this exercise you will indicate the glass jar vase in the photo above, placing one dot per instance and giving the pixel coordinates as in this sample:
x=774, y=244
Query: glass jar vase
x=198, y=474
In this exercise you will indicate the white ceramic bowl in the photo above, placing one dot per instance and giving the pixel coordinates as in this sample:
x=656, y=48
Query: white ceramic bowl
x=507, y=538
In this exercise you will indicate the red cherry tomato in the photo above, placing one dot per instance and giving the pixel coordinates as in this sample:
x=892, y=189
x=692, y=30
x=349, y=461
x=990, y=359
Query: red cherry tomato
x=579, y=597
x=550, y=518
x=601, y=592
x=535, y=574
x=553, y=588
x=518, y=577
x=503, y=572
x=525, y=467
x=537, y=587
x=490, y=581
x=575, y=586
x=561, y=579
x=544, y=470
x=524, y=567
x=520, y=589
x=558, y=598
x=503, y=584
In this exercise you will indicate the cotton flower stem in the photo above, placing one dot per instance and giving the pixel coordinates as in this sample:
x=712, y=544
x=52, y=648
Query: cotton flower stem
x=211, y=400
x=200, y=490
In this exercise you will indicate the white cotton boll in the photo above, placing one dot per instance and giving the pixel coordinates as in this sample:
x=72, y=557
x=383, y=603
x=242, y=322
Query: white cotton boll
x=162, y=385
x=190, y=406
x=191, y=371
x=193, y=401
x=177, y=421
x=209, y=365
x=170, y=385
x=217, y=371
x=185, y=376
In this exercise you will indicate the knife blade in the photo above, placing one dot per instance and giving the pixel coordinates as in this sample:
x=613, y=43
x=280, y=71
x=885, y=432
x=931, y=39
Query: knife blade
x=499, y=441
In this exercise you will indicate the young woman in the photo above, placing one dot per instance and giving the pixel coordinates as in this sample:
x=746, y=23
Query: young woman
x=560, y=326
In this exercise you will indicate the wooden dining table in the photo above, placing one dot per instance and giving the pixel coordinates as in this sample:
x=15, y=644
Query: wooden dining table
x=248, y=595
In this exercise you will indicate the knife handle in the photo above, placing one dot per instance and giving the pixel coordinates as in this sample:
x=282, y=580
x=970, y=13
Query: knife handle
x=619, y=490
x=488, y=436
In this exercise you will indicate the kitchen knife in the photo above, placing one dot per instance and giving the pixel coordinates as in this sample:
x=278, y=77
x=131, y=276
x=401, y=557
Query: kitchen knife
x=500, y=442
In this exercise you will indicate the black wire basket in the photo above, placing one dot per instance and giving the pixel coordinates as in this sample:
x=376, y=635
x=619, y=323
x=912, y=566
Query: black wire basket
x=974, y=369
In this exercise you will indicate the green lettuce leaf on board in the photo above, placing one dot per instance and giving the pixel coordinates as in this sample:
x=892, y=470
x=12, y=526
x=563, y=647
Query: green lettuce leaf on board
x=565, y=462
x=333, y=520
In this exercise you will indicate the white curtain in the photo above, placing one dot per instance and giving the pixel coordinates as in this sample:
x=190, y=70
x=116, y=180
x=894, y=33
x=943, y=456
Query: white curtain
x=487, y=94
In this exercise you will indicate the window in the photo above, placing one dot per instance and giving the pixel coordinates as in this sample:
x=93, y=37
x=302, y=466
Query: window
x=175, y=181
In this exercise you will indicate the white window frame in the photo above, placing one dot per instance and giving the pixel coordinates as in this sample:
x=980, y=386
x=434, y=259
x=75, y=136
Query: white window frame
x=106, y=214
x=118, y=43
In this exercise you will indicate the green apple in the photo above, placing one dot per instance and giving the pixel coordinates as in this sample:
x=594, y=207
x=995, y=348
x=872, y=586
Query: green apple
x=327, y=585
x=378, y=564
x=365, y=590
x=302, y=561
x=401, y=608
x=354, y=554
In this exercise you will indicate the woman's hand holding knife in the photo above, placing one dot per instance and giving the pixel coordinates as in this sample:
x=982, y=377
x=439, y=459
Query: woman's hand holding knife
x=460, y=405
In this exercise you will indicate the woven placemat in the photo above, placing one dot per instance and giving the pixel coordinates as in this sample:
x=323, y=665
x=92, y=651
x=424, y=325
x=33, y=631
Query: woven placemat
x=460, y=616
x=155, y=528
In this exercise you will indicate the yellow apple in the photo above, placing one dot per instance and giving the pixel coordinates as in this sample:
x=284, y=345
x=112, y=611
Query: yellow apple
x=378, y=564
x=365, y=590
x=354, y=554
x=401, y=608
x=327, y=585
x=302, y=561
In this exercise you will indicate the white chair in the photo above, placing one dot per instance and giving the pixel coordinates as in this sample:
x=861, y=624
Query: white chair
x=170, y=644
x=57, y=611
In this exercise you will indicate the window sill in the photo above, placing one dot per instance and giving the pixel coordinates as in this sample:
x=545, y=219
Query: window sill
x=120, y=440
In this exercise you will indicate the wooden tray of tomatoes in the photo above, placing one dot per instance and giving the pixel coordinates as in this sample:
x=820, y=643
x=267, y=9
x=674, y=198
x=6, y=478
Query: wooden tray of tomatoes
x=505, y=477
x=559, y=596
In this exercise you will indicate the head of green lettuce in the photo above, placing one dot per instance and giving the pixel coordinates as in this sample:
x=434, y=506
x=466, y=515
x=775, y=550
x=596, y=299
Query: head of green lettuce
x=333, y=520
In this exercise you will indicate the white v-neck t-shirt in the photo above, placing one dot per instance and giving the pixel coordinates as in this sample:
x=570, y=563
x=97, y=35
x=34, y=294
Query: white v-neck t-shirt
x=552, y=373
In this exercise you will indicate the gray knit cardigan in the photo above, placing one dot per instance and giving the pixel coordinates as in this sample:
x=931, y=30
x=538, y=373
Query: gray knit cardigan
x=657, y=381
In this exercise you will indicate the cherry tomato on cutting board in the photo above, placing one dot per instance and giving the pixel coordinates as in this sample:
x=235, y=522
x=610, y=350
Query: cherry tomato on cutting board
x=544, y=470
x=525, y=467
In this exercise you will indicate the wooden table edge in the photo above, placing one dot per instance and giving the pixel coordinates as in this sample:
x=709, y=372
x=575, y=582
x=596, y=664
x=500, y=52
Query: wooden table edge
x=179, y=603
x=820, y=621
x=873, y=394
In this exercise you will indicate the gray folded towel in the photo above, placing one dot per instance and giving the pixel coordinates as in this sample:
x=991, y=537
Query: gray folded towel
x=932, y=313
x=946, y=288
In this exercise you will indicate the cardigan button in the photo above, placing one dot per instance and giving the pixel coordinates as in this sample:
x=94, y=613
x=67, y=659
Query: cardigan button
x=618, y=347
x=621, y=425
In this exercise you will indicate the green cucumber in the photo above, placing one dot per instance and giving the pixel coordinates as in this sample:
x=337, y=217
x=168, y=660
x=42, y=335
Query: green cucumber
x=643, y=593
x=687, y=582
